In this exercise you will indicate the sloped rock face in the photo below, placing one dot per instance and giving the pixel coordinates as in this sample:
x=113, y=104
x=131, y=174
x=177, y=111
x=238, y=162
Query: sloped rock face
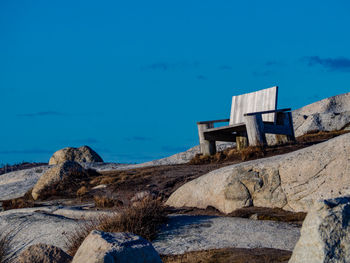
x=17, y=183
x=325, y=235
x=325, y=115
x=57, y=178
x=29, y=226
x=83, y=154
x=42, y=253
x=291, y=181
x=101, y=247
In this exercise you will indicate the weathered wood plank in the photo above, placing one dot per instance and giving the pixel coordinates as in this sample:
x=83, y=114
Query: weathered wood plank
x=266, y=112
x=214, y=121
x=261, y=100
x=220, y=136
x=234, y=128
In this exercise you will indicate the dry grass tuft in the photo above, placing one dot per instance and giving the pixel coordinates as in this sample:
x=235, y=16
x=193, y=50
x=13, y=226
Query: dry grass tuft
x=252, y=152
x=75, y=238
x=234, y=255
x=231, y=154
x=82, y=191
x=20, y=202
x=104, y=201
x=320, y=136
x=143, y=219
x=273, y=214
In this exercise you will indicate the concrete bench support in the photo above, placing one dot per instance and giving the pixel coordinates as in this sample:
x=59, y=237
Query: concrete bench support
x=255, y=130
x=285, y=119
x=207, y=147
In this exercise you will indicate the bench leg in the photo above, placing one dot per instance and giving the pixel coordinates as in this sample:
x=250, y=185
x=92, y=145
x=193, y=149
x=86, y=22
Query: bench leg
x=255, y=130
x=286, y=120
x=207, y=147
x=241, y=141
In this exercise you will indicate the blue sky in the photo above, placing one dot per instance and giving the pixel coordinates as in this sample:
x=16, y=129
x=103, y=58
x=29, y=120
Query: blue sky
x=131, y=78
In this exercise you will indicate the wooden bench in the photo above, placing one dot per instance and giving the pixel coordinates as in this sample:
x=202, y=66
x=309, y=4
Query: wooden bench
x=253, y=115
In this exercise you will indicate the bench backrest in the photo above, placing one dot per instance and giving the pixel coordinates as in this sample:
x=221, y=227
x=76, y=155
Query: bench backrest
x=261, y=100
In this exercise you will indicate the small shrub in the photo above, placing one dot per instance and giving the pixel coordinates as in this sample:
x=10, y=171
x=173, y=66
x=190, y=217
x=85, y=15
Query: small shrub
x=76, y=237
x=143, y=219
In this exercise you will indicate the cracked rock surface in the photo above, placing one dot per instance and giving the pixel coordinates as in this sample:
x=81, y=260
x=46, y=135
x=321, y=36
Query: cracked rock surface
x=292, y=181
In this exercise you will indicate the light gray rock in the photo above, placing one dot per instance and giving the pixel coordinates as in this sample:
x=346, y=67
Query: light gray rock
x=42, y=253
x=325, y=235
x=50, y=225
x=62, y=174
x=28, y=227
x=83, y=154
x=291, y=181
x=329, y=114
x=106, y=247
x=185, y=156
x=16, y=184
x=192, y=233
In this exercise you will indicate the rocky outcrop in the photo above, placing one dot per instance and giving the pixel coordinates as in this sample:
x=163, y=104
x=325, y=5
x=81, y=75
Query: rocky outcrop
x=83, y=154
x=291, y=181
x=101, y=247
x=57, y=179
x=325, y=115
x=42, y=253
x=325, y=235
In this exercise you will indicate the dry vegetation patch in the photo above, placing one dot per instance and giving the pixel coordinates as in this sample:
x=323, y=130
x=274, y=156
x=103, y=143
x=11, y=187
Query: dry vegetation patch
x=143, y=219
x=232, y=255
x=273, y=214
x=232, y=155
x=20, y=202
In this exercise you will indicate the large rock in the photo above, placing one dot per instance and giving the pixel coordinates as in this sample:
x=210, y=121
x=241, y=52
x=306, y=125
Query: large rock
x=106, y=247
x=325, y=115
x=325, y=235
x=83, y=154
x=42, y=253
x=30, y=226
x=58, y=179
x=291, y=181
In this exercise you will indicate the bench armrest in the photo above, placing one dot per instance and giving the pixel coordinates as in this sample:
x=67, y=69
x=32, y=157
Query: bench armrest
x=266, y=112
x=208, y=122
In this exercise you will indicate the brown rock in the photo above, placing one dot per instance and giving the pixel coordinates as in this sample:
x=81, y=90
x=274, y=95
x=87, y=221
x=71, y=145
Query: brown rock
x=42, y=253
x=58, y=178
